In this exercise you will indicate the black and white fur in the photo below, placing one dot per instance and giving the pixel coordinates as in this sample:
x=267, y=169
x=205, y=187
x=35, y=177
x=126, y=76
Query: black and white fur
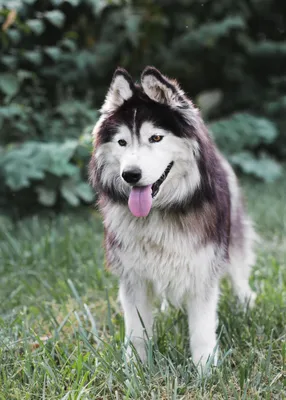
x=197, y=230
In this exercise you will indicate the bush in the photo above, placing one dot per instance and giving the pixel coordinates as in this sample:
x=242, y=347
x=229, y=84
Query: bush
x=246, y=146
x=47, y=173
x=58, y=57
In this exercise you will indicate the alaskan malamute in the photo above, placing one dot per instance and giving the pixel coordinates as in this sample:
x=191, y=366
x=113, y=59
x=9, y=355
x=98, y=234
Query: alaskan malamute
x=173, y=213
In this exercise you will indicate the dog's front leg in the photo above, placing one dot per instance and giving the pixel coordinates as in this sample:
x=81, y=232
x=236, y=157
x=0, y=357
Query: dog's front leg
x=137, y=307
x=202, y=313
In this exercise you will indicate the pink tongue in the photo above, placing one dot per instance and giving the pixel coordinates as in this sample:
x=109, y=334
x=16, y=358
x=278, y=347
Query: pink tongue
x=140, y=201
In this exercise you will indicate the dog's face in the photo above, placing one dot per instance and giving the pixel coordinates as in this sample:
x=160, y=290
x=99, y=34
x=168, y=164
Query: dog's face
x=146, y=146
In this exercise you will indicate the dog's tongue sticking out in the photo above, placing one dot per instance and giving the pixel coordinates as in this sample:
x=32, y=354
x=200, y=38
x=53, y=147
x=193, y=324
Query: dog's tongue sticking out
x=140, y=200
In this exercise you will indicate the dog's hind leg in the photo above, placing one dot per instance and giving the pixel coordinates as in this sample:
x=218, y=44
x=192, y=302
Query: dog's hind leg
x=243, y=239
x=137, y=306
x=239, y=272
x=242, y=258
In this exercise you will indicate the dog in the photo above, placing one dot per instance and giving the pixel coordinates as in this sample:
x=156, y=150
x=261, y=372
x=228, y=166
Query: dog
x=172, y=209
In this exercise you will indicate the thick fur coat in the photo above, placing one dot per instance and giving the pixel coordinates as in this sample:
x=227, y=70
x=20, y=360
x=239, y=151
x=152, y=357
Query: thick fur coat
x=172, y=209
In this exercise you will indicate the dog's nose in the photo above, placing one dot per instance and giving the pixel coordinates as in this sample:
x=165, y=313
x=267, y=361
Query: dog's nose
x=132, y=176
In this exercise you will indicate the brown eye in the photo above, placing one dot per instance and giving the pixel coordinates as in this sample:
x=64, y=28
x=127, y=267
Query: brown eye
x=155, y=138
x=122, y=142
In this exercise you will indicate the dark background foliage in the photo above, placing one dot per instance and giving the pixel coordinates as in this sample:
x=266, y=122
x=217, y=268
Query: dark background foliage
x=57, y=59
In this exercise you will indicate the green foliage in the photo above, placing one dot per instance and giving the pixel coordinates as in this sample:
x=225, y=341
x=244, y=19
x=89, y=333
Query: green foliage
x=261, y=166
x=57, y=58
x=241, y=131
x=51, y=170
x=243, y=139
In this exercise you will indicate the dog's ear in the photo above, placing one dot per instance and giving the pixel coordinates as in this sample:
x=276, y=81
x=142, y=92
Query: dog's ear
x=163, y=90
x=120, y=90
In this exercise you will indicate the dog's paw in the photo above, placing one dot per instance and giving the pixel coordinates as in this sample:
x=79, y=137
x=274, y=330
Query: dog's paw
x=205, y=361
x=248, y=300
x=138, y=346
x=164, y=305
x=252, y=300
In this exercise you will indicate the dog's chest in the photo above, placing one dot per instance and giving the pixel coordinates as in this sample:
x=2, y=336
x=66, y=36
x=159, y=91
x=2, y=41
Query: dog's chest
x=170, y=256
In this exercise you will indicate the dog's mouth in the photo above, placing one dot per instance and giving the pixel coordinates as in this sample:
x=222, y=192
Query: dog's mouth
x=141, y=197
x=156, y=186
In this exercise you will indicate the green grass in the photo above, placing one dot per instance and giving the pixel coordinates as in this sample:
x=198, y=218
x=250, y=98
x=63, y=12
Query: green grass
x=61, y=330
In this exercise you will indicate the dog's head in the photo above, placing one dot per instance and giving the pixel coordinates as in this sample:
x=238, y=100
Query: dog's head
x=146, y=143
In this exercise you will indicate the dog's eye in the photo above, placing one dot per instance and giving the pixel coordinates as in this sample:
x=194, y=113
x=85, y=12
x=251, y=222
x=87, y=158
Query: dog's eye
x=155, y=138
x=122, y=142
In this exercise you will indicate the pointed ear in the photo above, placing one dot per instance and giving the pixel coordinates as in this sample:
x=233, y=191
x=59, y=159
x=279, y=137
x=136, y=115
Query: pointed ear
x=163, y=90
x=120, y=90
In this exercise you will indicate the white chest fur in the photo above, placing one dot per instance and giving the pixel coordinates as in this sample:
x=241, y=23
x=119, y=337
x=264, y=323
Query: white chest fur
x=166, y=254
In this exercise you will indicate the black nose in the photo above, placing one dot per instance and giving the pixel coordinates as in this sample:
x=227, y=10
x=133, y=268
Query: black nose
x=132, y=176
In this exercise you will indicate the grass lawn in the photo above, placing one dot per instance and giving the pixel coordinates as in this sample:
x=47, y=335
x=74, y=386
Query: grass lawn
x=61, y=330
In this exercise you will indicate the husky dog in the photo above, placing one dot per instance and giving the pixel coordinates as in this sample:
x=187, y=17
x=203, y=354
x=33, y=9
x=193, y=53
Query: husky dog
x=173, y=213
